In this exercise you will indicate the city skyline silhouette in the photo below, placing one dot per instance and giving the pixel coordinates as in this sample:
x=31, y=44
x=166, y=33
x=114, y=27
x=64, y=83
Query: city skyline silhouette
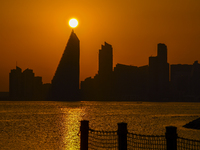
x=35, y=33
x=123, y=83
x=100, y=74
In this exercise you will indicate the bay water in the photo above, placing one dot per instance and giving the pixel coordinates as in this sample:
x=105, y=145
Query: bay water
x=44, y=125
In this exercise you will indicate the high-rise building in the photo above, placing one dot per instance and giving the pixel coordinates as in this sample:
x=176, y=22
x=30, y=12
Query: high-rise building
x=162, y=53
x=24, y=85
x=153, y=77
x=163, y=71
x=105, y=72
x=130, y=82
x=195, y=79
x=159, y=74
x=28, y=83
x=180, y=85
x=106, y=60
x=15, y=83
x=65, y=83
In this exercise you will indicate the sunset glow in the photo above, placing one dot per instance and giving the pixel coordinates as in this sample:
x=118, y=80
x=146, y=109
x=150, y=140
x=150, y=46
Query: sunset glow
x=34, y=33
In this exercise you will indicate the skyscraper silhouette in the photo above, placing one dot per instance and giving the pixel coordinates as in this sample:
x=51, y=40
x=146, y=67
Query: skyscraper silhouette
x=180, y=84
x=163, y=71
x=15, y=83
x=65, y=83
x=159, y=74
x=106, y=60
x=24, y=85
x=105, y=71
x=28, y=83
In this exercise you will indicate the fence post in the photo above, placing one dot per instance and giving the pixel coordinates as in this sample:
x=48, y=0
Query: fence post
x=122, y=136
x=171, y=137
x=84, y=134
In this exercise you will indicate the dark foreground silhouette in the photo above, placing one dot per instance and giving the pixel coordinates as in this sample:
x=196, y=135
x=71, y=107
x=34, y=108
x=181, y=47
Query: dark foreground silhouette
x=123, y=83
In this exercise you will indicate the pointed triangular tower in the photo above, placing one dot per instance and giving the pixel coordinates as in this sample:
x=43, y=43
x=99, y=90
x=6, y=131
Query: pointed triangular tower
x=65, y=83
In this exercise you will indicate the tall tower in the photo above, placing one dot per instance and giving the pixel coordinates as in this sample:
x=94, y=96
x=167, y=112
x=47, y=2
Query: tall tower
x=162, y=53
x=65, y=83
x=105, y=71
x=105, y=60
x=163, y=70
x=15, y=83
x=28, y=83
x=159, y=74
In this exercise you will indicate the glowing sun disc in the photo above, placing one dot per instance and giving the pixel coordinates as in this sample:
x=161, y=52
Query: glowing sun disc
x=73, y=23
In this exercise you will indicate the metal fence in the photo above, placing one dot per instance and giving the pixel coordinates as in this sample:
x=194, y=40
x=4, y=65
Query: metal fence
x=102, y=140
x=122, y=140
x=140, y=142
x=187, y=144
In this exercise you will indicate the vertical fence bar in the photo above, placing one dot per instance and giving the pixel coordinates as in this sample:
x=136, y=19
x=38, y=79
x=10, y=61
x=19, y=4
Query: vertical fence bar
x=122, y=136
x=84, y=134
x=171, y=137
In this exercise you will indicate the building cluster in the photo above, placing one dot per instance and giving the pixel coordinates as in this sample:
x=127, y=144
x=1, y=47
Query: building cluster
x=149, y=83
x=185, y=82
x=157, y=81
x=26, y=86
x=64, y=85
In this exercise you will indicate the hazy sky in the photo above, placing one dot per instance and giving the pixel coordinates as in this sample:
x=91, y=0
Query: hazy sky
x=35, y=32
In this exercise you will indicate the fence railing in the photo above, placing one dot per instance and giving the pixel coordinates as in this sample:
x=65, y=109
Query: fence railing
x=154, y=142
x=102, y=140
x=123, y=140
x=188, y=144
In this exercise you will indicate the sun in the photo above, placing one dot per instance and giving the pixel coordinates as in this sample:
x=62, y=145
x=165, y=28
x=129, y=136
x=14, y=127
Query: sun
x=73, y=23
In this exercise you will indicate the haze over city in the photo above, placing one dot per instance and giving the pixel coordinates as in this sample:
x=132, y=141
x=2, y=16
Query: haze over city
x=34, y=34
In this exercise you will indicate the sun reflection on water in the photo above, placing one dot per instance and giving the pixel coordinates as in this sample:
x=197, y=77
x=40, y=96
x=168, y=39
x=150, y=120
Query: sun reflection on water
x=71, y=127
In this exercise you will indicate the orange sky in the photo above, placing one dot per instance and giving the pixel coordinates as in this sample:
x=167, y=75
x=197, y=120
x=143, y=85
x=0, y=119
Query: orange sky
x=35, y=33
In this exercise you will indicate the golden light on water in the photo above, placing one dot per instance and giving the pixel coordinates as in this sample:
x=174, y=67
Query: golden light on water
x=72, y=118
x=73, y=23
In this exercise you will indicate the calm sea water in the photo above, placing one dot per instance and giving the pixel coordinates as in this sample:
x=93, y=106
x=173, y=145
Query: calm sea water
x=55, y=125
